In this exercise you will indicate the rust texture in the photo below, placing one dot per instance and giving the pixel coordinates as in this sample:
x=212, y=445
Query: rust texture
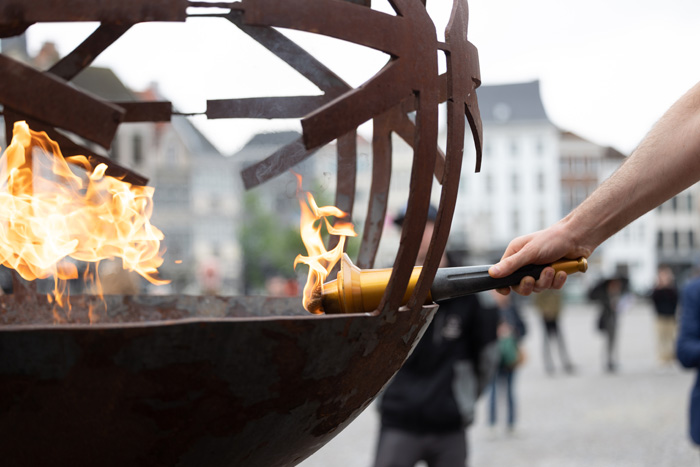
x=51, y=100
x=236, y=381
x=244, y=381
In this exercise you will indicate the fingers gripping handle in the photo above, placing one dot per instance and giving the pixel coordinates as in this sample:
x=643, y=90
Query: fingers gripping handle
x=456, y=282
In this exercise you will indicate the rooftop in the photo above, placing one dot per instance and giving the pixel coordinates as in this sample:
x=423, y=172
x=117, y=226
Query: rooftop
x=511, y=102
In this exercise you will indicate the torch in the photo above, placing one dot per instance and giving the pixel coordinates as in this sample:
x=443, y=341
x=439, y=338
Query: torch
x=360, y=291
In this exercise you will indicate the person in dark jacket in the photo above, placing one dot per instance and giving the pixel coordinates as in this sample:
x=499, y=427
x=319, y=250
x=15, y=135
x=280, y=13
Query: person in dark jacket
x=426, y=408
x=665, y=298
x=688, y=348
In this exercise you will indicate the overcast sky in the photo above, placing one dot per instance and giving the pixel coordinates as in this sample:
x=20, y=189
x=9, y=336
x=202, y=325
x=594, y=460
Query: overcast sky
x=608, y=68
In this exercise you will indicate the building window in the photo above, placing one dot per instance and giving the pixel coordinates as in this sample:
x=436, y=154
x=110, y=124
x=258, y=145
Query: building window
x=215, y=249
x=543, y=219
x=579, y=194
x=690, y=202
x=171, y=156
x=565, y=166
x=565, y=201
x=516, y=221
x=215, y=201
x=515, y=183
x=114, y=150
x=660, y=240
x=676, y=240
x=539, y=146
x=540, y=182
x=593, y=166
x=137, y=143
x=513, y=147
x=674, y=204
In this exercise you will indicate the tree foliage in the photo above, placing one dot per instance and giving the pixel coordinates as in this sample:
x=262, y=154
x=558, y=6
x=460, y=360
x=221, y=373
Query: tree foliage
x=269, y=246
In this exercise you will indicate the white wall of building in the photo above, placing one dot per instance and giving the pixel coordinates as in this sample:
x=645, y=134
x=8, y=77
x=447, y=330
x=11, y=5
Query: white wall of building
x=517, y=190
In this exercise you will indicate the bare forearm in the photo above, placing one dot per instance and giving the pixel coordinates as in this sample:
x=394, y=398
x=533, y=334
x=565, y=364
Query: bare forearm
x=665, y=163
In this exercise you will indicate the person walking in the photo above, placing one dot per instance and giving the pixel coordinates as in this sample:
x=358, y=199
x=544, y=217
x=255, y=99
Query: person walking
x=665, y=299
x=549, y=305
x=612, y=296
x=511, y=330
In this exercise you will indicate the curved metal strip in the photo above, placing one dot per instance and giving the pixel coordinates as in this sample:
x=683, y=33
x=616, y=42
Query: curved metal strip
x=423, y=78
x=72, y=109
x=465, y=74
x=71, y=148
x=123, y=11
x=276, y=163
x=461, y=89
x=472, y=109
x=265, y=107
x=291, y=53
x=341, y=20
x=83, y=55
x=346, y=177
x=379, y=191
x=382, y=92
x=150, y=111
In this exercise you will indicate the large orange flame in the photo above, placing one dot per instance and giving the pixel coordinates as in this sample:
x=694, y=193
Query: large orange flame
x=319, y=260
x=49, y=213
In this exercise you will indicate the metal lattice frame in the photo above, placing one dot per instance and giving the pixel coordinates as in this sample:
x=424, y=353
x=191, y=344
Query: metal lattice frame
x=313, y=374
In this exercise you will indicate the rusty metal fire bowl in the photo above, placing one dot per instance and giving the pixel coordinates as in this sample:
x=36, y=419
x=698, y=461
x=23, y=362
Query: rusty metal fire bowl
x=185, y=380
x=234, y=381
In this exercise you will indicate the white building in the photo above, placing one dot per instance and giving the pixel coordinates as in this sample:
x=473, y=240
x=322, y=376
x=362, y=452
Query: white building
x=518, y=188
x=678, y=232
x=631, y=252
x=533, y=174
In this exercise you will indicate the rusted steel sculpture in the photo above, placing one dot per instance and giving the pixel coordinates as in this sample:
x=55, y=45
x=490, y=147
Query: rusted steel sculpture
x=244, y=380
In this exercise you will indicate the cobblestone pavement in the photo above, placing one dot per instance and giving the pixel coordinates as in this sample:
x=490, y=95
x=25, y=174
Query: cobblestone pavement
x=635, y=417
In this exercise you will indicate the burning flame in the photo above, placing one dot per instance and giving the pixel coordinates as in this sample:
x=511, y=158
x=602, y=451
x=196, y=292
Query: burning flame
x=319, y=260
x=48, y=213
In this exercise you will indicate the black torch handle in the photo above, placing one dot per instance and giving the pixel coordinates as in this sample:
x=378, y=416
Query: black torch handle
x=460, y=281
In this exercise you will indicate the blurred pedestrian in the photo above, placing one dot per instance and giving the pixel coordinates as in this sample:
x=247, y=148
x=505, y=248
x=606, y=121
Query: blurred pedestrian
x=612, y=297
x=549, y=304
x=277, y=285
x=429, y=405
x=665, y=298
x=665, y=163
x=688, y=348
x=511, y=330
x=210, y=280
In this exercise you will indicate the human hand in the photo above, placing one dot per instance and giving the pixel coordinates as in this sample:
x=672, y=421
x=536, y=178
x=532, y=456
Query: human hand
x=543, y=247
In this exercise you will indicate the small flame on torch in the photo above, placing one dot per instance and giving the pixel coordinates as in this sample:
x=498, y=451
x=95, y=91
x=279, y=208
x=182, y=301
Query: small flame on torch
x=319, y=260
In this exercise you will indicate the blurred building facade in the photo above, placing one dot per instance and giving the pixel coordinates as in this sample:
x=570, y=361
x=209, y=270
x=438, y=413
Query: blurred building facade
x=519, y=187
x=533, y=173
x=677, y=228
x=196, y=201
x=196, y=198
